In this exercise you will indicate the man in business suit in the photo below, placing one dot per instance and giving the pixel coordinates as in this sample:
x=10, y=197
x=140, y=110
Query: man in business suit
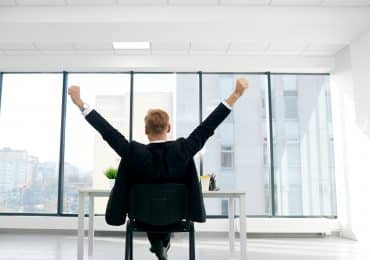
x=161, y=161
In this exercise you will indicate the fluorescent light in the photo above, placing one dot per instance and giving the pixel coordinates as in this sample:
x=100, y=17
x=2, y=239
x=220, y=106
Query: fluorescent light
x=131, y=45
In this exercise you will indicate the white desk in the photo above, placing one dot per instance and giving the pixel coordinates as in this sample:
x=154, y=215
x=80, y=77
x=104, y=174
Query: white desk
x=92, y=193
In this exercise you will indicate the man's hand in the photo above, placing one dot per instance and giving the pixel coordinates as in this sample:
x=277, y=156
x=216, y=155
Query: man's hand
x=74, y=92
x=240, y=87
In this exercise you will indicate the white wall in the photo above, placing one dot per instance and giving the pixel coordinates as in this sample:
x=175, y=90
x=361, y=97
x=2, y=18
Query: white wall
x=351, y=114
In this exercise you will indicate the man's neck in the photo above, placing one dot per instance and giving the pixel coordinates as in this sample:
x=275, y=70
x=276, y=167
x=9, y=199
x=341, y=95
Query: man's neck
x=157, y=139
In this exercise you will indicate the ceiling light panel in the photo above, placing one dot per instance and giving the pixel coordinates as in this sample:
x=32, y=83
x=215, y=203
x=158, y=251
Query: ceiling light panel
x=131, y=45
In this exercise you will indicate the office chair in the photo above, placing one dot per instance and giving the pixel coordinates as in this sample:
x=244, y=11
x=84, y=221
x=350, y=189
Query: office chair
x=154, y=207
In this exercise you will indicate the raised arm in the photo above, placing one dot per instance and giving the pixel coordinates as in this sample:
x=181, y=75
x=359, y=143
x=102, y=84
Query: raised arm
x=113, y=137
x=200, y=135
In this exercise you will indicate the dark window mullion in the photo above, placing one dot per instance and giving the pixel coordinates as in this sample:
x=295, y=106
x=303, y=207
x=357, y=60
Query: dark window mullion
x=200, y=85
x=1, y=87
x=131, y=105
x=271, y=145
x=62, y=145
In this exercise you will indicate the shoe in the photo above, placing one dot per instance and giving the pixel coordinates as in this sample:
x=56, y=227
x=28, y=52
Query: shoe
x=166, y=248
x=161, y=251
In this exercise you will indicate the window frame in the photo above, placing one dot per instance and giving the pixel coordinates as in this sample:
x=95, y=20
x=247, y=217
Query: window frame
x=269, y=121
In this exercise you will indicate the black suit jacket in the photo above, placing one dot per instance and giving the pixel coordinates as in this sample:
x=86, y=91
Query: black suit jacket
x=170, y=161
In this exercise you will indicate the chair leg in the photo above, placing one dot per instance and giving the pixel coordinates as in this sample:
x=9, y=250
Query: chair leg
x=191, y=242
x=131, y=244
x=128, y=247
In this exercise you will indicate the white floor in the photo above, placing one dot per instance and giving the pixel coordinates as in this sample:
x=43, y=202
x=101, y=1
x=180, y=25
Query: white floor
x=63, y=247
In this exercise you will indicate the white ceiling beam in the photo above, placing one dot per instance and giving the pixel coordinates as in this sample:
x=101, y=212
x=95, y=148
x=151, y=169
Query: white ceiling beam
x=211, y=32
x=253, y=63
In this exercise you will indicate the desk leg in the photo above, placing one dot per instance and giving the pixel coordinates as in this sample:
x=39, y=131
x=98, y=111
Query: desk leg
x=231, y=225
x=81, y=228
x=243, y=228
x=91, y=226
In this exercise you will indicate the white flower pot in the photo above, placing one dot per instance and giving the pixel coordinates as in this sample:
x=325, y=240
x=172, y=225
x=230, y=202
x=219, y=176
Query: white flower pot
x=111, y=183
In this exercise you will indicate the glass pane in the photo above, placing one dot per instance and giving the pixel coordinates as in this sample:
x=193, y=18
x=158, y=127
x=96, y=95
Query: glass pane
x=240, y=143
x=29, y=142
x=87, y=155
x=175, y=93
x=303, y=153
x=178, y=94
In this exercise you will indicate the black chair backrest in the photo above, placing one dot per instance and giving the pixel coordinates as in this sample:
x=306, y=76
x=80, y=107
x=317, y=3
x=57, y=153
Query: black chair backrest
x=159, y=204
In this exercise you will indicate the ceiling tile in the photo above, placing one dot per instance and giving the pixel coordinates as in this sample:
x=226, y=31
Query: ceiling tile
x=21, y=52
x=54, y=46
x=170, y=53
x=132, y=52
x=58, y=52
x=172, y=46
x=245, y=2
x=94, y=46
x=143, y=2
x=286, y=48
x=91, y=2
x=16, y=46
x=201, y=47
x=247, y=47
x=297, y=2
x=41, y=2
x=347, y=2
x=94, y=52
x=323, y=49
x=193, y=2
x=7, y=2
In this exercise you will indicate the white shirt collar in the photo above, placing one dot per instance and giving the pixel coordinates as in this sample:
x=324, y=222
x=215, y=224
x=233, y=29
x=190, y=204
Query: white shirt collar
x=157, y=141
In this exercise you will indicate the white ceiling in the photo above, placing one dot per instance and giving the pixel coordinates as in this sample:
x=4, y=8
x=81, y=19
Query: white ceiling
x=194, y=31
x=187, y=2
x=173, y=48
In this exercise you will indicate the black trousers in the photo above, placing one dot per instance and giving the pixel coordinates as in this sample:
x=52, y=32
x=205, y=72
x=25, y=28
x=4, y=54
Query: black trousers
x=159, y=239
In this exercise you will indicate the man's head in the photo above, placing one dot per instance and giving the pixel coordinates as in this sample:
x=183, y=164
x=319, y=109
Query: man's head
x=157, y=124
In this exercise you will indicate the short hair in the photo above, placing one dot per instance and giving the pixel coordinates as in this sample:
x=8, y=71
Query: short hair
x=156, y=121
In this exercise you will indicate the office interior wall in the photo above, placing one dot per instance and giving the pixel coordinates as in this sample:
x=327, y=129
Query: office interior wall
x=351, y=119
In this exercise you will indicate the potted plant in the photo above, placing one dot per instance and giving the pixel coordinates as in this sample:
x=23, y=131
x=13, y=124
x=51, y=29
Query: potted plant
x=111, y=174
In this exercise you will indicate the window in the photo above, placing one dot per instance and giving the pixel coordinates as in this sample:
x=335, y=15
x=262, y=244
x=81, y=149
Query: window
x=238, y=153
x=242, y=164
x=175, y=93
x=303, y=152
x=87, y=155
x=29, y=142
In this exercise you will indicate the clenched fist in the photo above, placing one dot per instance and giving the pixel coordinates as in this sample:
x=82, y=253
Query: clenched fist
x=241, y=86
x=74, y=93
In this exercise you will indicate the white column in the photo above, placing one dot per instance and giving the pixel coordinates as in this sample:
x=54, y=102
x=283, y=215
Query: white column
x=243, y=228
x=231, y=224
x=91, y=226
x=80, y=242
